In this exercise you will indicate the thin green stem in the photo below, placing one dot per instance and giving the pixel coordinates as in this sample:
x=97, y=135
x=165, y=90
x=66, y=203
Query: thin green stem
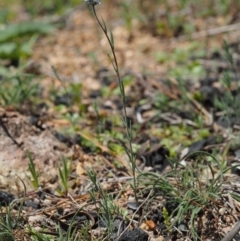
x=121, y=86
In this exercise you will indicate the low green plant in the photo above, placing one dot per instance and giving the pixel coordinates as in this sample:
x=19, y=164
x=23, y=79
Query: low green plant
x=73, y=91
x=192, y=190
x=70, y=235
x=7, y=223
x=64, y=173
x=84, y=233
x=32, y=169
x=109, y=210
x=37, y=236
x=173, y=19
x=130, y=11
x=229, y=101
x=9, y=220
x=17, y=89
x=16, y=40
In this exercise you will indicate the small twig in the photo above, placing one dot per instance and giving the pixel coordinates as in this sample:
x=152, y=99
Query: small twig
x=134, y=215
x=232, y=205
x=7, y=133
x=212, y=63
x=230, y=235
x=208, y=116
x=73, y=200
x=76, y=237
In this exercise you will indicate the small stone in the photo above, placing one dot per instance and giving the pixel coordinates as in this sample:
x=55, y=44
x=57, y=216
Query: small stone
x=47, y=202
x=135, y=234
x=228, y=219
x=222, y=211
x=35, y=219
x=182, y=227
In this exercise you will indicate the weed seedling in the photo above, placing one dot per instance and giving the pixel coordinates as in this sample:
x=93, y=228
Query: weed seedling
x=34, y=174
x=10, y=221
x=108, y=208
x=17, y=89
x=64, y=173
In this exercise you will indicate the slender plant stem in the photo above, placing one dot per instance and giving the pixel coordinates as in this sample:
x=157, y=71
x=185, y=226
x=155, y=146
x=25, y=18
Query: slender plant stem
x=121, y=86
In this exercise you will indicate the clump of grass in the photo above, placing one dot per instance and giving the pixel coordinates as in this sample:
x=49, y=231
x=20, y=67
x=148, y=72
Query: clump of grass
x=229, y=101
x=192, y=187
x=107, y=206
x=7, y=223
x=32, y=169
x=17, y=89
x=63, y=172
x=109, y=209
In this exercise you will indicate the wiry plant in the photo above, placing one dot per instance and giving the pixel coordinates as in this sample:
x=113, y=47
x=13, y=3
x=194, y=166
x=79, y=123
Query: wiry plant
x=32, y=169
x=10, y=221
x=113, y=59
x=192, y=189
x=107, y=205
x=17, y=89
x=229, y=101
x=6, y=226
x=64, y=173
